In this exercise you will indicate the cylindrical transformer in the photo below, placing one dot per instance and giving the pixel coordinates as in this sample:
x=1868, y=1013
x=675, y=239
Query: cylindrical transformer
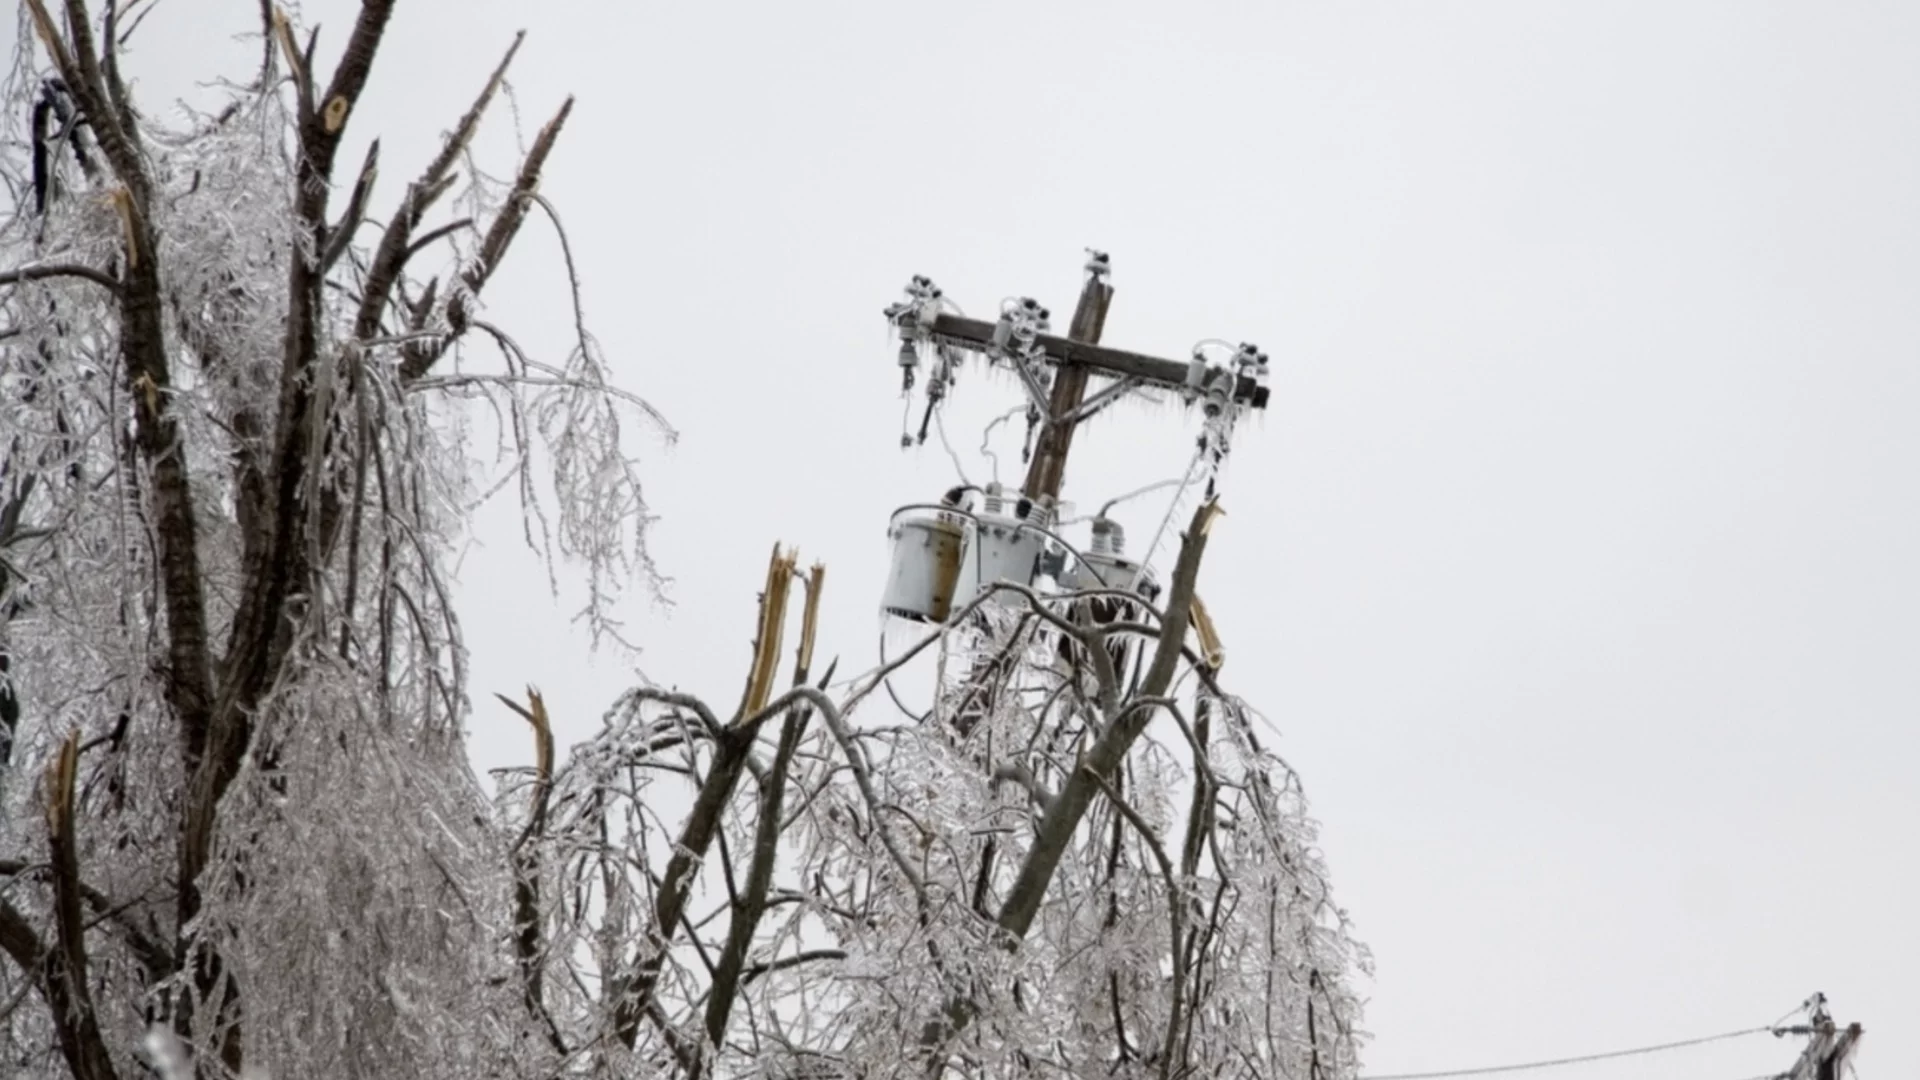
x=1104, y=565
x=1006, y=544
x=1003, y=548
x=928, y=549
x=1101, y=570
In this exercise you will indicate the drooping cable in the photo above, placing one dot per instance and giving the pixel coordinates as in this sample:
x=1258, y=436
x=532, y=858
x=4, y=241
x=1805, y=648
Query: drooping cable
x=1577, y=1060
x=1108, y=506
x=940, y=425
x=986, y=437
x=887, y=681
x=1173, y=506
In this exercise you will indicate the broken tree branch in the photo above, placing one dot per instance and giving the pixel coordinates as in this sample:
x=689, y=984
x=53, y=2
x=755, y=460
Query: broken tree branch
x=81, y=1040
x=390, y=256
x=340, y=237
x=493, y=248
x=528, y=944
x=1066, y=810
x=733, y=747
x=752, y=905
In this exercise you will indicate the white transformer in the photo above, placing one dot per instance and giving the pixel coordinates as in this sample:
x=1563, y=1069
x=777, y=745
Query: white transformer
x=946, y=555
x=1104, y=565
x=929, y=544
x=1008, y=539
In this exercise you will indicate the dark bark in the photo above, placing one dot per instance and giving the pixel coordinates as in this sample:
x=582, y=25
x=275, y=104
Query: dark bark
x=290, y=509
x=751, y=905
x=389, y=257
x=82, y=1048
x=733, y=749
x=1093, y=774
x=1064, y=813
x=53, y=270
x=420, y=357
x=703, y=823
x=61, y=972
x=529, y=947
x=276, y=563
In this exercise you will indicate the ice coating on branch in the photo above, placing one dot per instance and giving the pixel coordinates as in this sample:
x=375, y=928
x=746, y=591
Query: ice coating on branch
x=818, y=888
x=353, y=913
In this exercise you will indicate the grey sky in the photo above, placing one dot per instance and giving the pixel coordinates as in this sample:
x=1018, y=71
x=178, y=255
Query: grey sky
x=1576, y=560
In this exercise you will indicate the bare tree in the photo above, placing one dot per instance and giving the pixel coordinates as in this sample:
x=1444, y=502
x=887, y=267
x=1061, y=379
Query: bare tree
x=237, y=805
x=240, y=831
x=1024, y=882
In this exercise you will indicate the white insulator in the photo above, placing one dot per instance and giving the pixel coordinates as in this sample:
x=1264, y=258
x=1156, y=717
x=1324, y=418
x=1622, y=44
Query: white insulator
x=1041, y=515
x=993, y=501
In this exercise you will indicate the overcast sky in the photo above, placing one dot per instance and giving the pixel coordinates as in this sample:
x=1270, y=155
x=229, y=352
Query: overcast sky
x=1576, y=558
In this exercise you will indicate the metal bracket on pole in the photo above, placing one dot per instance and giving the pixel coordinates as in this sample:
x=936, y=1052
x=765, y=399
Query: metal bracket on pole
x=1127, y=385
x=976, y=335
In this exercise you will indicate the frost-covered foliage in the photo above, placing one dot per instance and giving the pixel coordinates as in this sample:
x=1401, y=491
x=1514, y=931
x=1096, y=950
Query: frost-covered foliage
x=1082, y=863
x=235, y=799
x=238, y=831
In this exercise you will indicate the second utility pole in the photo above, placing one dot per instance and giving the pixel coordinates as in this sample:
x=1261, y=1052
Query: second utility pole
x=1829, y=1046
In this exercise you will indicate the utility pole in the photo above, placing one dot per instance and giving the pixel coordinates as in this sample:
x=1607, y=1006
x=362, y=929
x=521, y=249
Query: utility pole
x=1048, y=469
x=1829, y=1046
x=946, y=555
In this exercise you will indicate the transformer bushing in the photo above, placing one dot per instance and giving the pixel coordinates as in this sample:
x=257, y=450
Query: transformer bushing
x=1104, y=565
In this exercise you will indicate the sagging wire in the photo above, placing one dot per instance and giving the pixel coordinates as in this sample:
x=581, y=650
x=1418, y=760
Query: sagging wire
x=1214, y=383
x=887, y=682
x=1108, y=506
x=935, y=416
x=925, y=296
x=1578, y=1060
x=1173, y=505
x=940, y=425
x=986, y=435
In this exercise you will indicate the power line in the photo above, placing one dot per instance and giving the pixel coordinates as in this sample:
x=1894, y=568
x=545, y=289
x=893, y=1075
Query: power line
x=1582, y=1059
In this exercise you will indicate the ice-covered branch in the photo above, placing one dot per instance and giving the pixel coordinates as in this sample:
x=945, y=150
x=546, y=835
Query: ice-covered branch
x=1064, y=813
x=44, y=271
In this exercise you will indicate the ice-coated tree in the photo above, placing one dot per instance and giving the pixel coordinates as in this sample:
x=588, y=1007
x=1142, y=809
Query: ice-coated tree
x=239, y=832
